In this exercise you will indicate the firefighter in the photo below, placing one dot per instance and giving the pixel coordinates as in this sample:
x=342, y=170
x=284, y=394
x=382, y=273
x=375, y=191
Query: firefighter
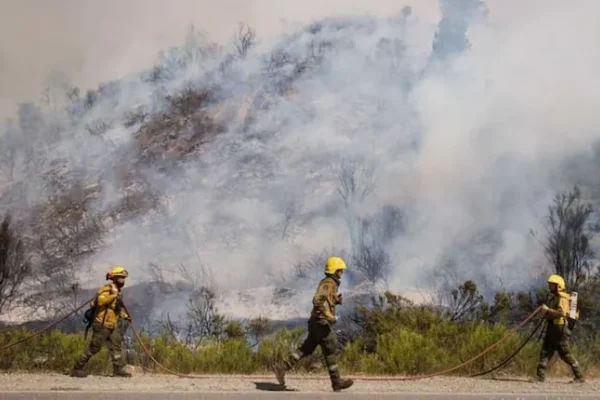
x=558, y=333
x=320, y=330
x=109, y=309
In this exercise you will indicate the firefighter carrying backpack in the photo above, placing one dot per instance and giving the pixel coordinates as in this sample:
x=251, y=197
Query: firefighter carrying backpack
x=90, y=315
x=573, y=314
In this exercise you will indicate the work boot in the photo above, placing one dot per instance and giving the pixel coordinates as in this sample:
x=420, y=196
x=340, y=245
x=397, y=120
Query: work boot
x=78, y=371
x=339, y=384
x=579, y=378
x=120, y=372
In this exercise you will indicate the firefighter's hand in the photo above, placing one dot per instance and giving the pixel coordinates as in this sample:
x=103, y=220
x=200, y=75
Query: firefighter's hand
x=545, y=308
x=128, y=319
x=339, y=299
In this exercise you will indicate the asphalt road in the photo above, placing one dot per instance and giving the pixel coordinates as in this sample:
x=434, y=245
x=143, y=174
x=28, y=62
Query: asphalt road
x=64, y=395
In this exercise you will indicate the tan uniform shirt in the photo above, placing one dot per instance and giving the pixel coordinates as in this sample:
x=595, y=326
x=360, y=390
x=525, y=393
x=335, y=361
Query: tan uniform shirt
x=325, y=300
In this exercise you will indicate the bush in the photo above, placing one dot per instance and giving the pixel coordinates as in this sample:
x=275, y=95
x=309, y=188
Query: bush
x=394, y=337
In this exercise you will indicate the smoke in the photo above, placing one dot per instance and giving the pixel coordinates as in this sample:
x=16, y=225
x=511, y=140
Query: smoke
x=457, y=130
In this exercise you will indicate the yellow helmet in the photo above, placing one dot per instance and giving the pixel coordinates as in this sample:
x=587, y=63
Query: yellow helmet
x=117, y=272
x=333, y=264
x=558, y=280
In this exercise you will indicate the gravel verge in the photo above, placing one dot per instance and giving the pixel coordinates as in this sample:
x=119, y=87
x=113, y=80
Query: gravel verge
x=165, y=383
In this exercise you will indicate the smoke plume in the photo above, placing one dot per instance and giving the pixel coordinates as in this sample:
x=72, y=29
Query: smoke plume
x=433, y=147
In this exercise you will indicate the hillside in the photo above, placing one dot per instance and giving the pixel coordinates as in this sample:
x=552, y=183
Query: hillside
x=424, y=155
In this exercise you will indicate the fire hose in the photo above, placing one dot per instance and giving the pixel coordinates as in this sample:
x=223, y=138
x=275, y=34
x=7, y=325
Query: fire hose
x=514, y=354
x=363, y=378
x=461, y=365
x=45, y=329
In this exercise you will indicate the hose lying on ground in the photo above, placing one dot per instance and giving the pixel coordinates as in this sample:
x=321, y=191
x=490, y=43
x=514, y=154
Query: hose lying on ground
x=363, y=378
x=513, y=355
x=47, y=328
x=461, y=365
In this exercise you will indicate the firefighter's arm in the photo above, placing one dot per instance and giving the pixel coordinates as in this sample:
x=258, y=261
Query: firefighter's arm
x=560, y=312
x=106, y=296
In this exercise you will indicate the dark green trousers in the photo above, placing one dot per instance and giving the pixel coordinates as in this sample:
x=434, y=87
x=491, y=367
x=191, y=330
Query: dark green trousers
x=557, y=341
x=320, y=333
x=100, y=336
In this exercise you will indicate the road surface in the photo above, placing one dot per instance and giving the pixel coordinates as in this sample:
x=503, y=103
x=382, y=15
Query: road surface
x=154, y=387
x=273, y=396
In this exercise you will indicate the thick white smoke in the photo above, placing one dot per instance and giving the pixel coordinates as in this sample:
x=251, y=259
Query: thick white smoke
x=465, y=141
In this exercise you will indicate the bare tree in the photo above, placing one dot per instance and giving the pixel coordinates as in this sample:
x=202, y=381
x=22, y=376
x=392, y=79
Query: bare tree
x=204, y=319
x=356, y=180
x=64, y=234
x=244, y=39
x=9, y=145
x=14, y=263
x=466, y=303
x=567, y=243
x=287, y=227
x=258, y=328
x=372, y=261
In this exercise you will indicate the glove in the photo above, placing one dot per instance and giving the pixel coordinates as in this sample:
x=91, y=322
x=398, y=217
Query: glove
x=545, y=308
x=339, y=299
x=128, y=319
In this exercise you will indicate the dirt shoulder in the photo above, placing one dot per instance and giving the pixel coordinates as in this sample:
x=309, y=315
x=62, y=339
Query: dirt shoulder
x=164, y=383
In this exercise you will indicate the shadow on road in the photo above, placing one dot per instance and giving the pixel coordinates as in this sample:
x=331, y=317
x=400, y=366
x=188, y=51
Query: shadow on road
x=272, y=387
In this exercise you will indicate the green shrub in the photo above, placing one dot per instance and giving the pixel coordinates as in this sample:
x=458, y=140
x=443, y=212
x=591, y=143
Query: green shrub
x=401, y=340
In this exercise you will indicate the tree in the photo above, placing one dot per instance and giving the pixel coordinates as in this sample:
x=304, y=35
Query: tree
x=204, y=319
x=258, y=328
x=356, y=180
x=9, y=145
x=244, y=39
x=567, y=244
x=65, y=232
x=466, y=303
x=14, y=263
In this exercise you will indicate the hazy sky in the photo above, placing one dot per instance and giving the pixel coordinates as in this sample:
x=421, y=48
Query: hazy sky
x=93, y=41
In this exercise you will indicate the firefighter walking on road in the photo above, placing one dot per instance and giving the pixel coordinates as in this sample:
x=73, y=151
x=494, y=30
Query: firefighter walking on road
x=320, y=331
x=558, y=332
x=108, y=309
